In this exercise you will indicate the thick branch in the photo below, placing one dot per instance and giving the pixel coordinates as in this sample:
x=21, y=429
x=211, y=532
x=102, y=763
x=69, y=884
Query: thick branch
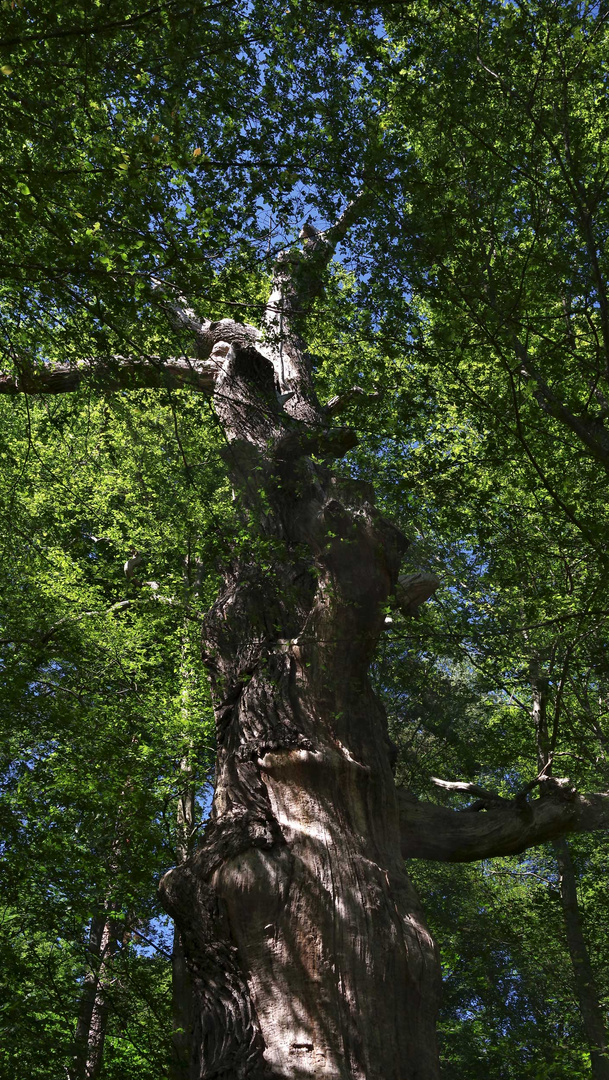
x=297, y=275
x=340, y=402
x=115, y=373
x=487, y=797
x=412, y=590
x=353, y=212
x=588, y=428
x=444, y=835
x=206, y=333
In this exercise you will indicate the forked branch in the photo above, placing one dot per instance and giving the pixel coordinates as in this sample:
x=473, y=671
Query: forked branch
x=297, y=273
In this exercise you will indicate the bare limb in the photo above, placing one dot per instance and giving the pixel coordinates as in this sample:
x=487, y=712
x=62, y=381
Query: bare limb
x=353, y=212
x=297, y=276
x=588, y=428
x=412, y=590
x=471, y=789
x=440, y=834
x=115, y=373
x=297, y=280
x=206, y=333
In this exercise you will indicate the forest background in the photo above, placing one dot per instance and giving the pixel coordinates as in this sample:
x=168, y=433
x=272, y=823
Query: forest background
x=181, y=147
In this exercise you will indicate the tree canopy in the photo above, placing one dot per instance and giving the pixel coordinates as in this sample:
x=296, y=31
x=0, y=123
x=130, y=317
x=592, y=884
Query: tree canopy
x=156, y=162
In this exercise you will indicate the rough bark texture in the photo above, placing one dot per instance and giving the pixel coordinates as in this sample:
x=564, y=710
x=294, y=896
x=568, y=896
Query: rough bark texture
x=305, y=940
x=181, y=1011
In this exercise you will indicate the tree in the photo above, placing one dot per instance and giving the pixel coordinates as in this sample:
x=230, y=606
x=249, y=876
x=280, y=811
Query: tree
x=303, y=768
x=306, y=943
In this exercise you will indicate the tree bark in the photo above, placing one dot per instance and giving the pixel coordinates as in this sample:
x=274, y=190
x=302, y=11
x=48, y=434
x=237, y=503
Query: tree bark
x=305, y=940
x=306, y=943
x=113, y=373
x=87, y=998
x=181, y=1010
x=93, y=1012
x=181, y=983
x=501, y=827
x=585, y=986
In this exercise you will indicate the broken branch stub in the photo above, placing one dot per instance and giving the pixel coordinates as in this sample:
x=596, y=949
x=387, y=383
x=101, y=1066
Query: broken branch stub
x=412, y=590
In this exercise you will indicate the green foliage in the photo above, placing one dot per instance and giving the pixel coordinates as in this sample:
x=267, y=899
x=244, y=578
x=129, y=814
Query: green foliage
x=482, y=326
x=187, y=143
x=181, y=142
x=508, y=1005
x=104, y=696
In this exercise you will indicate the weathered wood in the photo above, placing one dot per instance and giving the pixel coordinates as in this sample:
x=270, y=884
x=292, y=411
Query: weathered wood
x=305, y=941
x=114, y=373
x=307, y=946
x=444, y=835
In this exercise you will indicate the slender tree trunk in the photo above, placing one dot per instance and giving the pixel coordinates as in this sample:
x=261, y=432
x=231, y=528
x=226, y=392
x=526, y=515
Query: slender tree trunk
x=593, y=1015
x=103, y=942
x=539, y=695
x=99, y=1018
x=181, y=983
x=182, y=1010
x=304, y=937
x=87, y=998
x=93, y=1012
x=585, y=987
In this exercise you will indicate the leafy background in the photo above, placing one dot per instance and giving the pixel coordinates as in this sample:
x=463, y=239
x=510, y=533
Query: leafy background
x=186, y=144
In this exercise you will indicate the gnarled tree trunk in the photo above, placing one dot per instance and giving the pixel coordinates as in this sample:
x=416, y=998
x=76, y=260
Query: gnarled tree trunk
x=305, y=940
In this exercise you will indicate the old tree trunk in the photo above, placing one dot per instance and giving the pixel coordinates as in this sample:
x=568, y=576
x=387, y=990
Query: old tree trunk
x=306, y=942
x=304, y=939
